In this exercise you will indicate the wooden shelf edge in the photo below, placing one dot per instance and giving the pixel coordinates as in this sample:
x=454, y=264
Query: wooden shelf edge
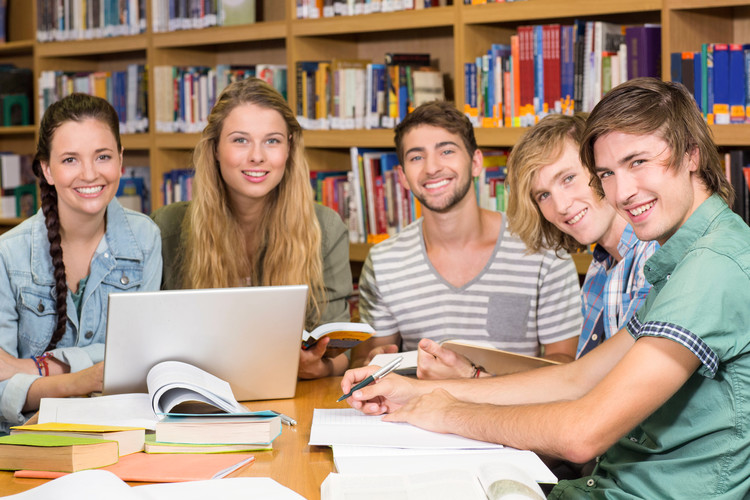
x=18, y=130
x=218, y=35
x=368, y=23
x=532, y=10
x=731, y=135
x=17, y=47
x=376, y=138
x=93, y=47
x=358, y=251
x=136, y=141
x=702, y=4
x=176, y=141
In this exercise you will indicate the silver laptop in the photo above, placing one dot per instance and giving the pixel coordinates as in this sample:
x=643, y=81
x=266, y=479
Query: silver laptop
x=249, y=336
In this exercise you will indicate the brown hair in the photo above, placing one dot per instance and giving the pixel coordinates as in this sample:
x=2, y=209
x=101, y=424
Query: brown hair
x=542, y=145
x=650, y=106
x=440, y=114
x=289, y=233
x=75, y=107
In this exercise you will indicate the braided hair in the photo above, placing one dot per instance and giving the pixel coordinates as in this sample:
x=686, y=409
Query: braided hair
x=76, y=107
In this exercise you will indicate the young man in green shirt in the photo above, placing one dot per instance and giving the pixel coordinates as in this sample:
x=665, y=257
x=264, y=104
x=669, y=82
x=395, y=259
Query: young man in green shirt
x=662, y=403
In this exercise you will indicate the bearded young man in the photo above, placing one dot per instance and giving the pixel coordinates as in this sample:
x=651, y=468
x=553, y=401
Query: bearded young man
x=458, y=272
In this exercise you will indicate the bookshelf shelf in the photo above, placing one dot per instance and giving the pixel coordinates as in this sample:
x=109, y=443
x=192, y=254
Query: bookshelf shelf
x=537, y=10
x=220, y=35
x=703, y=4
x=16, y=48
x=378, y=138
x=176, y=141
x=386, y=21
x=82, y=48
x=731, y=135
x=135, y=141
x=18, y=130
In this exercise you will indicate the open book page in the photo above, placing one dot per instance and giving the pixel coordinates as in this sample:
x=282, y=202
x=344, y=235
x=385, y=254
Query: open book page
x=391, y=461
x=171, y=383
x=448, y=484
x=133, y=410
x=504, y=481
x=407, y=367
x=95, y=484
x=348, y=426
x=343, y=334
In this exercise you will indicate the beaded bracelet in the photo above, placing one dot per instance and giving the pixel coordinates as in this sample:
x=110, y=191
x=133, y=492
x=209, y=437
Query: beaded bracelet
x=41, y=363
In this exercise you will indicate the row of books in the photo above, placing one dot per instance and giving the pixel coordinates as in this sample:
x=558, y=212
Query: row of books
x=314, y=9
x=134, y=191
x=718, y=76
x=344, y=94
x=18, y=194
x=737, y=165
x=126, y=90
x=187, y=94
x=173, y=15
x=88, y=19
x=556, y=68
x=177, y=185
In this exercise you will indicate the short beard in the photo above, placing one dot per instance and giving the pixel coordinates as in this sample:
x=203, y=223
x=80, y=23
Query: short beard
x=454, y=200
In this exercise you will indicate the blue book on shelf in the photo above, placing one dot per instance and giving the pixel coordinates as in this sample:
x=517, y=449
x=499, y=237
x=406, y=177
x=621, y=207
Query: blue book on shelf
x=675, y=67
x=746, y=50
x=698, y=77
x=538, y=69
x=736, y=84
x=721, y=84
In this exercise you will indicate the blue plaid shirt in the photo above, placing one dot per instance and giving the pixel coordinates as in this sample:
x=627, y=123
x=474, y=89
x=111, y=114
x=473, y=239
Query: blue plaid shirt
x=613, y=291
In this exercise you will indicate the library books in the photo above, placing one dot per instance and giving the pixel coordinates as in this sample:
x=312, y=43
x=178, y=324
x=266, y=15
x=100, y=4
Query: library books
x=174, y=388
x=92, y=484
x=55, y=453
x=493, y=481
x=210, y=429
x=153, y=446
x=163, y=468
x=16, y=95
x=70, y=20
x=343, y=335
x=315, y=9
x=129, y=439
x=171, y=15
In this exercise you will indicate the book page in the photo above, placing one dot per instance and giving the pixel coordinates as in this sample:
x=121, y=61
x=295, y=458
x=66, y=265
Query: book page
x=131, y=410
x=504, y=481
x=446, y=484
x=172, y=382
x=71, y=486
x=350, y=427
x=407, y=367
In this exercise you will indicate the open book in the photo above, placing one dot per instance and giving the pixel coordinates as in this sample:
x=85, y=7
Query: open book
x=174, y=388
x=493, y=481
x=343, y=335
x=494, y=361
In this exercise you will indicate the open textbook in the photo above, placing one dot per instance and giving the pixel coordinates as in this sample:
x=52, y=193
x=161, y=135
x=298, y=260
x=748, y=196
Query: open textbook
x=97, y=484
x=494, y=361
x=174, y=388
x=493, y=481
x=343, y=335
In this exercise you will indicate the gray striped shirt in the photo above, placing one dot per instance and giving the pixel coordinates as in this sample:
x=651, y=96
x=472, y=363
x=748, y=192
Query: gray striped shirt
x=516, y=303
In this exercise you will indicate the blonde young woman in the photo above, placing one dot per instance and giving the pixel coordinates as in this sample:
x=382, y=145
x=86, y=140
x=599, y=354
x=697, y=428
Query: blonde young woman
x=253, y=220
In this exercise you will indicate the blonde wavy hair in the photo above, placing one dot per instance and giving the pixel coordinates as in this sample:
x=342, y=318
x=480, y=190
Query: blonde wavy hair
x=289, y=245
x=542, y=145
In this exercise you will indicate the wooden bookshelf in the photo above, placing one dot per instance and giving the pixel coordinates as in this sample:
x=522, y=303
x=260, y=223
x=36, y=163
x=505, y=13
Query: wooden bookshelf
x=453, y=35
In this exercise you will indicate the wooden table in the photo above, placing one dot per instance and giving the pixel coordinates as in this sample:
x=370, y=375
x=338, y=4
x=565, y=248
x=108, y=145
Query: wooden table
x=291, y=462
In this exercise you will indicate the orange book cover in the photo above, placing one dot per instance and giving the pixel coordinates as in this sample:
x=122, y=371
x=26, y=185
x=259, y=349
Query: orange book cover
x=163, y=468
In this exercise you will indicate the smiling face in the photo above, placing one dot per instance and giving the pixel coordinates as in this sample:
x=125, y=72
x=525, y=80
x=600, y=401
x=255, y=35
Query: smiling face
x=437, y=167
x=84, y=166
x=561, y=191
x=654, y=198
x=252, y=151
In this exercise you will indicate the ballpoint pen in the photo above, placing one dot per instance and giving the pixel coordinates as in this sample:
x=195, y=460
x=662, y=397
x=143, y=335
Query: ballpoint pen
x=375, y=376
x=286, y=419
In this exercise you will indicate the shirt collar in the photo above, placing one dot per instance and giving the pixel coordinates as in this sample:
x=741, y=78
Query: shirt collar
x=665, y=259
x=120, y=241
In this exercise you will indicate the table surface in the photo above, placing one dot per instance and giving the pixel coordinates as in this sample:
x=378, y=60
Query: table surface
x=292, y=462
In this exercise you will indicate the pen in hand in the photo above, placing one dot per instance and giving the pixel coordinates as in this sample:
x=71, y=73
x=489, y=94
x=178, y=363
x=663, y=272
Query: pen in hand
x=375, y=376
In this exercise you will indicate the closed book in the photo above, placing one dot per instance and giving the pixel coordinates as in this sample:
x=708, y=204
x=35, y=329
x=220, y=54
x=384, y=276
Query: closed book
x=129, y=439
x=55, y=453
x=721, y=84
x=736, y=84
x=218, y=429
x=153, y=446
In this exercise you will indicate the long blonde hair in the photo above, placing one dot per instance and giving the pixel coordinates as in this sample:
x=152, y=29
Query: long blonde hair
x=289, y=235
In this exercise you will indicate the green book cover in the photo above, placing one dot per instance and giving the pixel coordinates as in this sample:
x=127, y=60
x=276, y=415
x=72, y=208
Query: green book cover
x=30, y=439
x=238, y=12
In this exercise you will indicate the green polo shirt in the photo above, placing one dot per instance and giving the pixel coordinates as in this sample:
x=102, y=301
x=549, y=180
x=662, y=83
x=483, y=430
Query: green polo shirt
x=697, y=445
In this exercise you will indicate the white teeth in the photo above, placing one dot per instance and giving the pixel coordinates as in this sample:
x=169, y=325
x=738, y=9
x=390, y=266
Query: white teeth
x=89, y=190
x=254, y=174
x=641, y=209
x=578, y=216
x=436, y=185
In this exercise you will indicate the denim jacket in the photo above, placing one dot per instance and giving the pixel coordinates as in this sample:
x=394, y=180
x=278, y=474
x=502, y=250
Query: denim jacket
x=127, y=259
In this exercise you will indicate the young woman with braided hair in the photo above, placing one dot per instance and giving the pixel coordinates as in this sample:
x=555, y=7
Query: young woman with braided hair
x=58, y=267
